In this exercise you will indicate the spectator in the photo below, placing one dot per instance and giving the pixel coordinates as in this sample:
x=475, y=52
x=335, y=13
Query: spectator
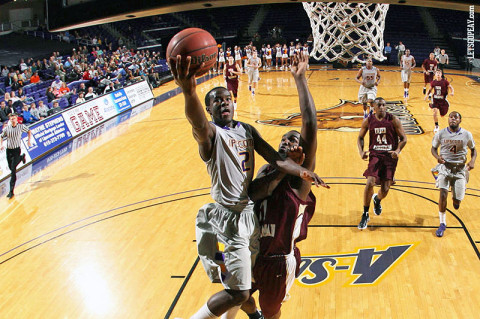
x=3, y=112
x=90, y=94
x=388, y=52
x=80, y=98
x=27, y=116
x=16, y=84
x=117, y=85
x=82, y=89
x=42, y=109
x=64, y=91
x=4, y=71
x=35, y=78
x=23, y=65
x=57, y=84
x=35, y=112
x=109, y=88
x=50, y=96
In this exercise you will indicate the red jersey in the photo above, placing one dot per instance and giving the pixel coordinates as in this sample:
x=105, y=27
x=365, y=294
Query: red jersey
x=430, y=65
x=383, y=136
x=230, y=75
x=283, y=219
x=440, y=89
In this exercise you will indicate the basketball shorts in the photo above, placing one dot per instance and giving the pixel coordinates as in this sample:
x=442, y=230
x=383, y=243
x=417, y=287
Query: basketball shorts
x=382, y=167
x=406, y=76
x=268, y=57
x=253, y=75
x=441, y=105
x=221, y=60
x=365, y=94
x=238, y=230
x=232, y=86
x=284, y=56
x=428, y=77
x=274, y=276
x=452, y=177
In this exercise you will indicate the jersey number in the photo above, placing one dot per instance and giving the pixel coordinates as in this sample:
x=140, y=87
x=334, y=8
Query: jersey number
x=246, y=158
x=453, y=149
x=382, y=139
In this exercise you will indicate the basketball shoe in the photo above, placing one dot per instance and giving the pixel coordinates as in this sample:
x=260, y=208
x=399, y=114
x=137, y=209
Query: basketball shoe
x=441, y=230
x=377, y=207
x=363, y=223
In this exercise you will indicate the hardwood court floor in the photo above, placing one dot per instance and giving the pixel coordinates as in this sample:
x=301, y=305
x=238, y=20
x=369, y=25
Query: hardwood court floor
x=107, y=231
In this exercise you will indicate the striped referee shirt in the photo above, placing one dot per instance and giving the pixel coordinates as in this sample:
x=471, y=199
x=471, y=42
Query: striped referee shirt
x=14, y=135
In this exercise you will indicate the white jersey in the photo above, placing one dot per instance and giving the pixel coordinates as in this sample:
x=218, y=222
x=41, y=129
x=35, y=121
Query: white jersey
x=254, y=63
x=231, y=166
x=453, y=145
x=248, y=52
x=278, y=51
x=407, y=62
x=292, y=51
x=238, y=55
x=305, y=50
x=369, y=76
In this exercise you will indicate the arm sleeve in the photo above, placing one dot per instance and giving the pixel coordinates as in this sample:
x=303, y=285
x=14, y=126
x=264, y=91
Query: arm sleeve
x=436, y=140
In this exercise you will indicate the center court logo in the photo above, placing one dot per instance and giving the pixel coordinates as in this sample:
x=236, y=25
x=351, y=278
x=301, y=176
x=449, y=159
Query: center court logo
x=347, y=116
x=367, y=266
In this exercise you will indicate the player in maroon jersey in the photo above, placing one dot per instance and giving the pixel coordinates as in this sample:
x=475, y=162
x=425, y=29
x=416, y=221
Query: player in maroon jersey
x=440, y=87
x=231, y=72
x=429, y=66
x=284, y=206
x=387, y=139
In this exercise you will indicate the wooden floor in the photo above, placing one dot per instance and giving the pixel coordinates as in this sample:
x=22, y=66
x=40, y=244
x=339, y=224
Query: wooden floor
x=108, y=230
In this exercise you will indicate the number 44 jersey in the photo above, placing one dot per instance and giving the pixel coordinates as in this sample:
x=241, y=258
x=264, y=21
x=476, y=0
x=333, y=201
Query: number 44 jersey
x=383, y=136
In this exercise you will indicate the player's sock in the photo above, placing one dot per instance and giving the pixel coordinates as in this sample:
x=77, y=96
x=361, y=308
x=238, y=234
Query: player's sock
x=443, y=218
x=231, y=313
x=203, y=313
x=249, y=87
x=256, y=315
x=365, y=209
x=424, y=90
x=436, y=124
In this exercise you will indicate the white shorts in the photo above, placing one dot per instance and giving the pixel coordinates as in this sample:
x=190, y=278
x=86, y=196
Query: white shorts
x=221, y=60
x=269, y=57
x=284, y=56
x=253, y=75
x=239, y=231
x=365, y=94
x=456, y=179
x=406, y=75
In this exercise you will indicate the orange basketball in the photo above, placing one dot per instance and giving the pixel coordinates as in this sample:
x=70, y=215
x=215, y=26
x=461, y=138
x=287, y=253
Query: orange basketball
x=197, y=43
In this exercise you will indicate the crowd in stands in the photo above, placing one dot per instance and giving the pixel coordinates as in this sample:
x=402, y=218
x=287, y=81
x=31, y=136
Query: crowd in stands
x=33, y=89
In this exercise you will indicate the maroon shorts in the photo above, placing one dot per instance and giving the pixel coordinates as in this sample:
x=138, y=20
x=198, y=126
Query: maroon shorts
x=428, y=77
x=271, y=280
x=382, y=167
x=232, y=86
x=441, y=105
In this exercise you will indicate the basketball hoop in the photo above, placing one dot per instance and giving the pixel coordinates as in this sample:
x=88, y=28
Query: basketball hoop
x=345, y=31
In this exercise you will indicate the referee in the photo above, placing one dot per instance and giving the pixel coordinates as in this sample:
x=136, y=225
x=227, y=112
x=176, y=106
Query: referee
x=13, y=133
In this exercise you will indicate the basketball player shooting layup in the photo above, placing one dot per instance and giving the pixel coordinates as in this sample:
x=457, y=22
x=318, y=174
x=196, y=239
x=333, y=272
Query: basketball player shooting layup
x=227, y=148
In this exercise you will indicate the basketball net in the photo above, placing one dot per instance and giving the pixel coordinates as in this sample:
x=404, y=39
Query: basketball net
x=346, y=31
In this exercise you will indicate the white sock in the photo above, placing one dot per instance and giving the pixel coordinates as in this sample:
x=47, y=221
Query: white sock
x=231, y=313
x=203, y=313
x=443, y=218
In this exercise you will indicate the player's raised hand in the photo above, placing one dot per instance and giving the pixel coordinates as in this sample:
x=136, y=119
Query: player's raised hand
x=299, y=65
x=296, y=154
x=314, y=178
x=184, y=73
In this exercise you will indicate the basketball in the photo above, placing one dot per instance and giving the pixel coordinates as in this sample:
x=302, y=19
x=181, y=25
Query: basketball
x=197, y=43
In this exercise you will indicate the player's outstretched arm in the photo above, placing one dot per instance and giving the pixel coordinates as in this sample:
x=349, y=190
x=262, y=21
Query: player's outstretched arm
x=401, y=136
x=184, y=75
x=361, y=140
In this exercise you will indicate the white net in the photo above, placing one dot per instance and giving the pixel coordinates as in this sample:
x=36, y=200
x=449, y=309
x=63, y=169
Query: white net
x=347, y=31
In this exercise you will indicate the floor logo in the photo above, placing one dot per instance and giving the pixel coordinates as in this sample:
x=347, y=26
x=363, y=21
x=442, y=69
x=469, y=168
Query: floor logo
x=347, y=116
x=367, y=266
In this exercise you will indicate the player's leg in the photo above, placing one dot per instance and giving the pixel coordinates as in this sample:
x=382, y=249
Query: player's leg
x=382, y=193
x=367, y=196
x=458, y=189
x=255, y=76
x=435, y=119
x=443, y=185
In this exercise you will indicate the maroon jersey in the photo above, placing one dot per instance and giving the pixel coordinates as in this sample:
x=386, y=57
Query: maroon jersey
x=283, y=219
x=383, y=136
x=231, y=77
x=429, y=65
x=440, y=89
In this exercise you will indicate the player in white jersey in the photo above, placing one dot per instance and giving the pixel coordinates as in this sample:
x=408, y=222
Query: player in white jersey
x=407, y=64
x=238, y=56
x=248, y=53
x=291, y=53
x=253, y=64
x=452, y=170
x=221, y=60
x=226, y=146
x=368, y=85
x=305, y=50
x=278, y=54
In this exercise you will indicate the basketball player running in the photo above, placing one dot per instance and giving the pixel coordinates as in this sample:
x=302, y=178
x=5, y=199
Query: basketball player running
x=227, y=148
x=387, y=139
x=284, y=205
x=13, y=134
x=407, y=65
x=440, y=87
x=429, y=66
x=454, y=142
x=231, y=72
x=368, y=85
x=253, y=64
